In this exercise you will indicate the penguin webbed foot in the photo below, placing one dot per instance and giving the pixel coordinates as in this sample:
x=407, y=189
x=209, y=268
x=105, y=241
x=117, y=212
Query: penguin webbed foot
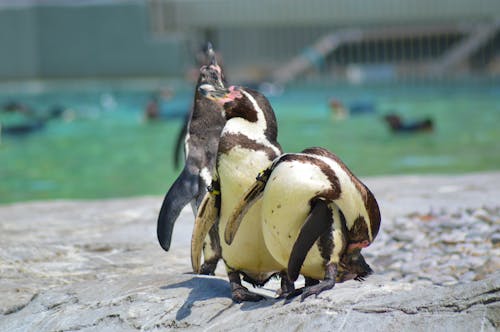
x=239, y=293
x=315, y=287
x=296, y=292
x=287, y=287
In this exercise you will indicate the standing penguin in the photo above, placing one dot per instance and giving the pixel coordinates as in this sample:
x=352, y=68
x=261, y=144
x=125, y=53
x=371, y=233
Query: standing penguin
x=248, y=144
x=316, y=217
x=201, y=142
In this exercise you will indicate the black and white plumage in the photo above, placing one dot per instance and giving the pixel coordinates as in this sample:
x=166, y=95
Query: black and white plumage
x=248, y=144
x=201, y=142
x=316, y=217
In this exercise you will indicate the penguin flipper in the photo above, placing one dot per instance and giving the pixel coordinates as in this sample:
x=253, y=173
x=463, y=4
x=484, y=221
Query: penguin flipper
x=317, y=223
x=182, y=191
x=207, y=216
x=251, y=196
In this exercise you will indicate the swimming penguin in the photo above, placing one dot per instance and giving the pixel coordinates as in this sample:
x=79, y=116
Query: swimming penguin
x=316, y=217
x=201, y=141
x=248, y=144
x=397, y=125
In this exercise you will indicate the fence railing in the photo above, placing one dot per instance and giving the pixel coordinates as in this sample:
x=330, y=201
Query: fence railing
x=283, y=40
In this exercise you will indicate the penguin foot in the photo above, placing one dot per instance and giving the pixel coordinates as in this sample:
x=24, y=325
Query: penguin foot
x=242, y=294
x=296, y=292
x=311, y=281
x=311, y=290
x=314, y=286
x=317, y=289
x=287, y=286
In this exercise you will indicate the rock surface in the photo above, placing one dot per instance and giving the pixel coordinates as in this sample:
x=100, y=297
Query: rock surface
x=96, y=266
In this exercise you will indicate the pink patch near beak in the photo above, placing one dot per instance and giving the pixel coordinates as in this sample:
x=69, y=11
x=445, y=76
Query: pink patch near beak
x=362, y=244
x=216, y=67
x=234, y=93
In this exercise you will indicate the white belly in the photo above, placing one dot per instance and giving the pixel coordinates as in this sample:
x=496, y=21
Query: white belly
x=286, y=206
x=237, y=172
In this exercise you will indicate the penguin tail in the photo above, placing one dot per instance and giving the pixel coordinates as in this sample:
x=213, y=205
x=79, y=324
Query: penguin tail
x=184, y=189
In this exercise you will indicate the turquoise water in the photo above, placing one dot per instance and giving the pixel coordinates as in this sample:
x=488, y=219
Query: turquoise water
x=103, y=148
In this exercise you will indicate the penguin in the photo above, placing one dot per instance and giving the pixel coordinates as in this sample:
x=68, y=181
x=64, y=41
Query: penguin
x=201, y=141
x=248, y=144
x=316, y=217
x=397, y=125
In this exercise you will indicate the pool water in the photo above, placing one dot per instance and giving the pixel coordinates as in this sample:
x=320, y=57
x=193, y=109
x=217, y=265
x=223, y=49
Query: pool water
x=103, y=147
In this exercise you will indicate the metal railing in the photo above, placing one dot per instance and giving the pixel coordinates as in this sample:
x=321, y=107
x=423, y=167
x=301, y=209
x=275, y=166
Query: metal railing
x=283, y=40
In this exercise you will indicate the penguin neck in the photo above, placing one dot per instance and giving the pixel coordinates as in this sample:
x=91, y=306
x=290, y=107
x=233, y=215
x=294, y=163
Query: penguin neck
x=252, y=121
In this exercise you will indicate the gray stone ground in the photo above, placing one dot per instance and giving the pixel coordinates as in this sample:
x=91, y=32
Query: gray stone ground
x=96, y=266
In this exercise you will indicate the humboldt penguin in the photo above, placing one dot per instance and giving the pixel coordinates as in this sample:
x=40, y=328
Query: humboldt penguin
x=316, y=218
x=201, y=141
x=248, y=144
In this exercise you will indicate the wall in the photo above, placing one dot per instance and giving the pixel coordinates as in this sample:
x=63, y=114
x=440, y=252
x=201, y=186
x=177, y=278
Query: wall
x=18, y=43
x=255, y=37
x=257, y=13
x=68, y=41
x=113, y=39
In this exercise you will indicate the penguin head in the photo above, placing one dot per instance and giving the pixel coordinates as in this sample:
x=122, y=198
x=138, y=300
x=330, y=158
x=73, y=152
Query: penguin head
x=211, y=72
x=353, y=266
x=235, y=101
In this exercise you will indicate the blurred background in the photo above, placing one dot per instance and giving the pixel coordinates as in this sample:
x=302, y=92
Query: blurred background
x=93, y=93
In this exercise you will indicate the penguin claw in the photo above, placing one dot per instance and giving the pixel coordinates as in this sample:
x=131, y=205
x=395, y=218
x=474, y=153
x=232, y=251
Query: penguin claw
x=359, y=278
x=242, y=294
x=317, y=289
x=294, y=293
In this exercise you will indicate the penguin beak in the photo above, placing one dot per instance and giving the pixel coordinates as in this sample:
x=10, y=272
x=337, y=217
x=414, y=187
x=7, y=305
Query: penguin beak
x=354, y=266
x=211, y=73
x=212, y=60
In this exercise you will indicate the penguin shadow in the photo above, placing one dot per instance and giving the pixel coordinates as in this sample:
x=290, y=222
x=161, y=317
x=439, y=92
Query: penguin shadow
x=201, y=288
x=204, y=288
x=268, y=301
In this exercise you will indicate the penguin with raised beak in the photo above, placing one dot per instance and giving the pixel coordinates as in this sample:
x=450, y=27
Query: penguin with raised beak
x=202, y=139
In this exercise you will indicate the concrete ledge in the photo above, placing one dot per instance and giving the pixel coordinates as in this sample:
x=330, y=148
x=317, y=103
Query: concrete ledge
x=96, y=265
